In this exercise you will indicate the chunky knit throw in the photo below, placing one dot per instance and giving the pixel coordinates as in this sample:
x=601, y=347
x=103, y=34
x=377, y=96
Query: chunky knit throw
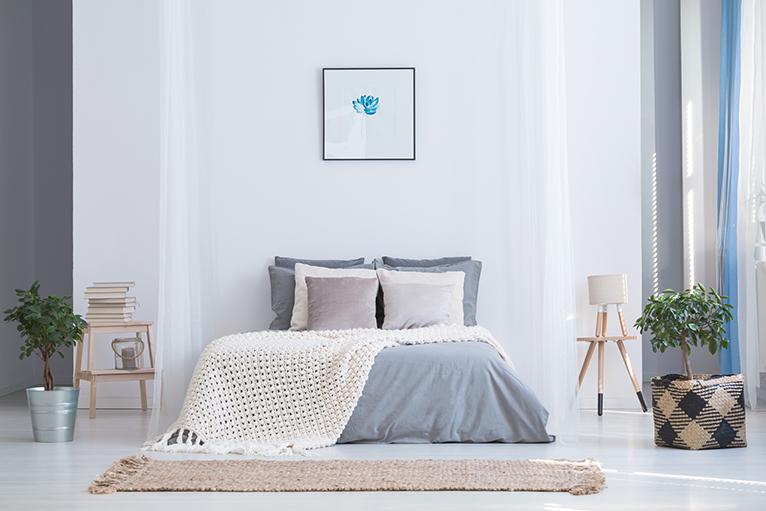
x=281, y=392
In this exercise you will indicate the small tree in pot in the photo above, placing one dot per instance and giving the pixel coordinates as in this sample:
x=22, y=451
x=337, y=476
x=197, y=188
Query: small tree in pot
x=695, y=316
x=695, y=411
x=47, y=325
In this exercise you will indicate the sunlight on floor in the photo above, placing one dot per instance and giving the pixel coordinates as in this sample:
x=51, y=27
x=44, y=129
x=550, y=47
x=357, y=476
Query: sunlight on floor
x=693, y=478
x=557, y=507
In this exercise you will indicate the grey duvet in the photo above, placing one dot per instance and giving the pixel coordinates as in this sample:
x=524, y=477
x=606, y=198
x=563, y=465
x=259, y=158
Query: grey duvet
x=446, y=392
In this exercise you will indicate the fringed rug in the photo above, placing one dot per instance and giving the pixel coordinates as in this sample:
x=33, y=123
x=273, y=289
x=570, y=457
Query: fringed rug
x=139, y=473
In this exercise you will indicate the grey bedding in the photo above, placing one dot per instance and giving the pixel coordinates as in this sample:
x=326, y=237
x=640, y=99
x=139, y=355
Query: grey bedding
x=446, y=392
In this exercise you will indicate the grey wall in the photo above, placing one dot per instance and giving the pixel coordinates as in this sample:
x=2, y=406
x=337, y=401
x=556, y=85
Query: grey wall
x=710, y=40
x=52, y=121
x=661, y=165
x=17, y=249
x=35, y=169
x=662, y=153
x=704, y=16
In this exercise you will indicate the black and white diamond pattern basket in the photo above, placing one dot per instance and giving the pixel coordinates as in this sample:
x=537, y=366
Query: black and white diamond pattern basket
x=707, y=412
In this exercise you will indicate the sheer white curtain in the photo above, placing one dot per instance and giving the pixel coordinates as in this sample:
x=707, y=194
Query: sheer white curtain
x=186, y=256
x=752, y=158
x=541, y=279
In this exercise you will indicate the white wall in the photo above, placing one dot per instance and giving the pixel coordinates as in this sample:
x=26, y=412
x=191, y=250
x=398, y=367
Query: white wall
x=273, y=194
x=116, y=161
x=604, y=144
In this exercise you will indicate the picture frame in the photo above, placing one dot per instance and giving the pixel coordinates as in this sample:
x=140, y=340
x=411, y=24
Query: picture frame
x=369, y=113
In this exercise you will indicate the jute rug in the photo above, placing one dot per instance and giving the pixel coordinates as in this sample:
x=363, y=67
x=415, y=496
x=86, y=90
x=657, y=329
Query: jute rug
x=139, y=473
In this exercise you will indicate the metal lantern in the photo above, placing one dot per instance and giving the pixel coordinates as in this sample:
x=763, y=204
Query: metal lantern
x=126, y=352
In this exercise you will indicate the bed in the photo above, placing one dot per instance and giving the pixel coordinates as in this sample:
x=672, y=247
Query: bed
x=358, y=353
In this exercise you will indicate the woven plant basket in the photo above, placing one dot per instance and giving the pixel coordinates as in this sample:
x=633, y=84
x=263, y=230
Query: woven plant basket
x=707, y=412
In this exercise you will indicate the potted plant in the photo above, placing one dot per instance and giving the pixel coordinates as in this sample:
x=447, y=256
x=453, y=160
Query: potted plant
x=47, y=325
x=693, y=411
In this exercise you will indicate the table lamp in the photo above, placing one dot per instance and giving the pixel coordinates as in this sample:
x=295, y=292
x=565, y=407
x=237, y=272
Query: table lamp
x=604, y=290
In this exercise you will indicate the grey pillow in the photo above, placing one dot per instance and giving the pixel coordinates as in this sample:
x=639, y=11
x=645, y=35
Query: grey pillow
x=282, y=296
x=337, y=303
x=289, y=262
x=416, y=305
x=423, y=263
x=472, y=270
x=283, y=293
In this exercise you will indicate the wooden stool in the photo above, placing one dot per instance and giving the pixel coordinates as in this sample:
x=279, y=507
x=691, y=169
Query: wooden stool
x=601, y=339
x=104, y=375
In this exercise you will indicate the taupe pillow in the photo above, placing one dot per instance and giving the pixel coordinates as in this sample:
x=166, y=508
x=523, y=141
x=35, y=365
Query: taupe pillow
x=283, y=287
x=337, y=303
x=299, y=319
x=415, y=305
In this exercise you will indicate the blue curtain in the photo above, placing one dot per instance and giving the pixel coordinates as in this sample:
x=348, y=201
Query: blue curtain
x=728, y=172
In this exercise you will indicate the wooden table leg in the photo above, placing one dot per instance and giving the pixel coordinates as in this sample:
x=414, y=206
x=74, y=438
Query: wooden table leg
x=601, y=378
x=636, y=386
x=598, y=322
x=142, y=385
x=78, y=361
x=150, y=342
x=586, y=363
x=622, y=321
x=91, y=335
x=93, y=398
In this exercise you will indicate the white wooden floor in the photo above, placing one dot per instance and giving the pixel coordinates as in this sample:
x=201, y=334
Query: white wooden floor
x=639, y=474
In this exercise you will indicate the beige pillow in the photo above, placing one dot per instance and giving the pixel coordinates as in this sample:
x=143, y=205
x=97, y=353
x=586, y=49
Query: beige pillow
x=341, y=303
x=300, y=317
x=416, y=305
x=455, y=278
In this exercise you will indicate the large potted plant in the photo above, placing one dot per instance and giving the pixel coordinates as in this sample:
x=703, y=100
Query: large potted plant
x=47, y=325
x=693, y=411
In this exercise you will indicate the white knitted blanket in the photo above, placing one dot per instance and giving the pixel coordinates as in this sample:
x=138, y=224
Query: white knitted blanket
x=282, y=392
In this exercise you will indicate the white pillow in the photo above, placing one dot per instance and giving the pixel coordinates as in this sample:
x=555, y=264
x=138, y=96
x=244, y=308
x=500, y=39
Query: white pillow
x=416, y=305
x=455, y=278
x=300, y=317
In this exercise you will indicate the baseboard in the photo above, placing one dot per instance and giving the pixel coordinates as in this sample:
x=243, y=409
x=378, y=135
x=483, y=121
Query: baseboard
x=32, y=381
x=122, y=403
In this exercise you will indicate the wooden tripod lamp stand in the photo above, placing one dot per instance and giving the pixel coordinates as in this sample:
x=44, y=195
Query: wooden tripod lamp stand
x=602, y=291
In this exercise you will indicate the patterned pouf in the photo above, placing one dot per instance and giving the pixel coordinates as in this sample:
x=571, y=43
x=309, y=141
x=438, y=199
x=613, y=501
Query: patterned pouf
x=707, y=412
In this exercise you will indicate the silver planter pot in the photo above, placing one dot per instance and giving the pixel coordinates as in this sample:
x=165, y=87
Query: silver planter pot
x=53, y=413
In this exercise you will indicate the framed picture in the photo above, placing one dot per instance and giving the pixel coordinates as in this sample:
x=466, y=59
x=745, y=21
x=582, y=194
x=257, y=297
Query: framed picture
x=369, y=113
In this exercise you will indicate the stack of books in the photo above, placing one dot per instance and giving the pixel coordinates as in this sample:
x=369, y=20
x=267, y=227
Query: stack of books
x=108, y=302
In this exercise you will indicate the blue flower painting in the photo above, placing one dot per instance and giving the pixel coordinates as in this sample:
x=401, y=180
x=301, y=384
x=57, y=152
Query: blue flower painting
x=366, y=105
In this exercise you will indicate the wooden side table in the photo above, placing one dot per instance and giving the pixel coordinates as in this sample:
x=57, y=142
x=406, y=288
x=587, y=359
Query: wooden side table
x=94, y=376
x=601, y=341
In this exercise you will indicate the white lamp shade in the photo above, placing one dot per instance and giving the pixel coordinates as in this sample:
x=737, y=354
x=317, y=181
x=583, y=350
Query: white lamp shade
x=608, y=289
